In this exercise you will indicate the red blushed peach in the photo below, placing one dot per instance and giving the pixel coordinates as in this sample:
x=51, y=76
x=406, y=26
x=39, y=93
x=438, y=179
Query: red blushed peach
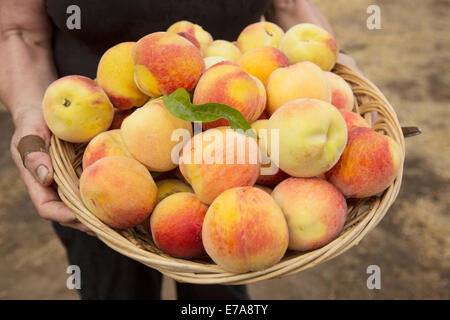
x=176, y=225
x=191, y=38
x=76, y=109
x=203, y=37
x=164, y=62
x=245, y=230
x=119, y=191
x=219, y=159
x=314, y=209
x=341, y=93
x=228, y=84
x=261, y=62
x=353, y=120
x=106, y=144
x=368, y=166
x=116, y=76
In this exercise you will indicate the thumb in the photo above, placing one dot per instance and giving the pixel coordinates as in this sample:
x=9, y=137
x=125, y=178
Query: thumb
x=33, y=151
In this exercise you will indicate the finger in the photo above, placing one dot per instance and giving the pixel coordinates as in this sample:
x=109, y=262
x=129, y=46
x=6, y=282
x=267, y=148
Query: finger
x=33, y=152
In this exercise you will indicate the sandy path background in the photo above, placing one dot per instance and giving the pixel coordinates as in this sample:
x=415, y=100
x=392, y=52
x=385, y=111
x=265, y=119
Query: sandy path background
x=408, y=59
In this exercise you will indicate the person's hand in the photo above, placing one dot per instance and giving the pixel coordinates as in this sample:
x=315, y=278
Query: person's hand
x=36, y=170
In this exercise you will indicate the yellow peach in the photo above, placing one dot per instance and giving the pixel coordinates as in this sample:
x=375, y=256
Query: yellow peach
x=259, y=34
x=300, y=80
x=147, y=135
x=309, y=42
x=312, y=136
x=115, y=75
x=168, y=187
x=341, y=93
x=202, y=36
x=223, y=48
x=76, y=109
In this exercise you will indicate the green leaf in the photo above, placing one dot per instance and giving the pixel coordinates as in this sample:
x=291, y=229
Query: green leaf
x=179, y=104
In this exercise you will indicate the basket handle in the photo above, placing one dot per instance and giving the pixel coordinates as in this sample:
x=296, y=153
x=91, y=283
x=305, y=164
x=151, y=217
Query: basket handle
x=411, y=131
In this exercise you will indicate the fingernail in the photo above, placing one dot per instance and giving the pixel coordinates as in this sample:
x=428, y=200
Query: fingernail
x=42, y=173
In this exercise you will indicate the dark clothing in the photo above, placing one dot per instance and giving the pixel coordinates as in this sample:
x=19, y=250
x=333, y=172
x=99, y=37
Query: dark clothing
x=106, y=274
x=107, y=23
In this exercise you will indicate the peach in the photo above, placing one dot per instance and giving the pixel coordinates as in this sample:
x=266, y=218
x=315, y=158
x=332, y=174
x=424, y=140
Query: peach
x=119, y=191
x=76, y=109
x=262, y=61
x=168, y=187
x=353, y=120
x=341, y=93
x=115, y=75
x=106, y=144
x=369, y=164
x=191, y=38
x=147, y=135
x=228, y=84
x=164, y=62
x=213, y=60
x=301, y=80
x=219, y=159
x=245, y=230
x=119, y=116
x=263, y=188
x=314, y=209
x=312, y=136
x=309, y=42
x=270, y=174
x=259, y=34
x=223, y=48
x=176, y=225
x=202, y=36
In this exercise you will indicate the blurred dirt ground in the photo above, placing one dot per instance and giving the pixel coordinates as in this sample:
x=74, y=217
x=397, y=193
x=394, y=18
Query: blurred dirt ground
x=408, y=59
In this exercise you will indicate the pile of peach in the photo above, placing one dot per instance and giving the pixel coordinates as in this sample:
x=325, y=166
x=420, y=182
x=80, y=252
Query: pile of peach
x=289, y=192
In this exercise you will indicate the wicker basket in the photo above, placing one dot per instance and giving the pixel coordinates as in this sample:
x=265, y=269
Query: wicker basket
x=136, y=243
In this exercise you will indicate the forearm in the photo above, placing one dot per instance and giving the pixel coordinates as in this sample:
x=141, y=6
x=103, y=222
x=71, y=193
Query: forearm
x=28, y=70
x=287, y=13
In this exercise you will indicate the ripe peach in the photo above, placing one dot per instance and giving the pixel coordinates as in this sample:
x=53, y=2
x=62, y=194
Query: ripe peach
x=227, y=83
x=353, y=120
x=213, y=60
x=270, y=174
x=106, y=144
x=262, y=61
x=309, y=42
x=168, y=187
x=259, y=34
x=76, y=109
x=119, y=191
x=202, y=36
x=176, y=225
x=312, y=137
x=116, y=76
x=223, y=48
x=368, y=165
x=314, y=209
x=219, y=152
x=164, y=62
x=147, y=135
x=341, y=93
x=301, y=80
x=263, y=188
x=245, y=230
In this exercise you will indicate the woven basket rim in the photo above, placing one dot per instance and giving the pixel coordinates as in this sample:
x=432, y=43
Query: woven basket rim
x=368, y=98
